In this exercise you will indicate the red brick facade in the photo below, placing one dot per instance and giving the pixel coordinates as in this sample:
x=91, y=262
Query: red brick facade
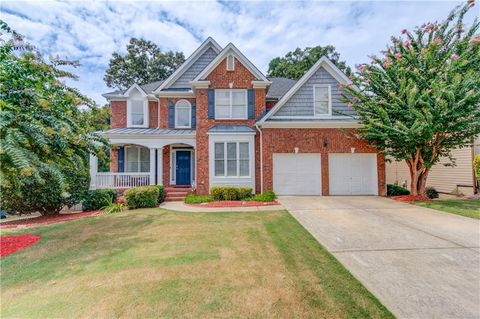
x=313, y=141
x=119, y=114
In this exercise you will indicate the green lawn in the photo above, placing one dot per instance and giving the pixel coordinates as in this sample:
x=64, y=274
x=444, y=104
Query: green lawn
x=158, y=263
x=464, y=207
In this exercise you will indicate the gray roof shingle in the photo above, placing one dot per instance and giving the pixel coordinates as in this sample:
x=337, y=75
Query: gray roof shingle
x=148, y=88
x=279, y=87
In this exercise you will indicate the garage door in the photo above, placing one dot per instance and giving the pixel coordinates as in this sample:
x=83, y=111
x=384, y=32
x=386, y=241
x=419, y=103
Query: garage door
x=297, y=174
x=353, y=174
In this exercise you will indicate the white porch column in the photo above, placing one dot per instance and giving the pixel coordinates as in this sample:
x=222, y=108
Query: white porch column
x=93, y=171
x=152, y=166
x=160, y=166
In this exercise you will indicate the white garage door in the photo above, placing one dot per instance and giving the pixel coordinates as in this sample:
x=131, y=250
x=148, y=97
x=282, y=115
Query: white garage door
x=353, y=174
x=297, y=174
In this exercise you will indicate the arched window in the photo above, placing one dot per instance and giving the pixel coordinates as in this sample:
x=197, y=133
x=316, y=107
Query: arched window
x=183, y=114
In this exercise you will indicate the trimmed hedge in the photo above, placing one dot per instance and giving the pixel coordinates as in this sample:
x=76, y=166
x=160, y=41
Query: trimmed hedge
x=268, y=196
x=198, y=199
x=99, y=198
x=142, y=197
x=395, y=190
x=230, y=193
x=161, y=194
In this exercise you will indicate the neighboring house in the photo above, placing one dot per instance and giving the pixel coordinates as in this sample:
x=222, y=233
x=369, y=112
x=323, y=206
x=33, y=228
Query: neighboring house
x=217, y=120
x=458, y=179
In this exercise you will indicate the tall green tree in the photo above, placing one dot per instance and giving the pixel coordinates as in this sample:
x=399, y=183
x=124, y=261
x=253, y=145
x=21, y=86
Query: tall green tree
x=96, y=118
x=40, y=131
x=296, y=63
x=144, y=62
x=421, y=99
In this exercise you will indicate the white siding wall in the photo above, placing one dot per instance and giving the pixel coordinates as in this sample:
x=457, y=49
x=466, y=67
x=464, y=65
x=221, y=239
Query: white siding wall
x=444, y=178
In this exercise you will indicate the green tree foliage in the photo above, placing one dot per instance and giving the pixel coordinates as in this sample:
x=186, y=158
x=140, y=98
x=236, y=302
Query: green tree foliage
x=296, y=63
x=41, y=135
x=144, y=62
x=96, y=118
x=421, y=99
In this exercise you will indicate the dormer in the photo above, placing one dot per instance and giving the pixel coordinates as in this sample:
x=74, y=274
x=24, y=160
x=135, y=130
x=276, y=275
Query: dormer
x=137, y=107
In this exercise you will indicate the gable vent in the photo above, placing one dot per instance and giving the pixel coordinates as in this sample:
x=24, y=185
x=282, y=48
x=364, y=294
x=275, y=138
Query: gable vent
x=230, y=62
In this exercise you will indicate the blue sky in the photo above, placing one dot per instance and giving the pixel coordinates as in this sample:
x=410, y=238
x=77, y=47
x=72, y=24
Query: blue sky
x=90, y=31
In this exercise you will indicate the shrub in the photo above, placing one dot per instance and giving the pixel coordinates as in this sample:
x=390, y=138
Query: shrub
x=476, y=166
x=267, y=196
x=113, y=208
x=142, y=197
x=395, y=190
x=431, y=192
x=244, y=193
x=198, y=199
x=230, y=193
x=217, y=193
x=161, y=194
x=99, y=198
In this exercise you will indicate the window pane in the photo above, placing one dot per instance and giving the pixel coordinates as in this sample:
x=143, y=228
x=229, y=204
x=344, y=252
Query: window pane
x=231, y=159
x=132, y=154
x=321, y=93
x=243, y=150
x=137, y=106
x=321, y=107
x=244, y=171
x=222, y=97
x=145, y=167
x=132, y=167
x=219, y=151
x=144, y=154
x=183, y=117
x=219, y=167
x=173, y=166
x=239, y=112
x=137, y=119
x=232, y=151
x=239, y=98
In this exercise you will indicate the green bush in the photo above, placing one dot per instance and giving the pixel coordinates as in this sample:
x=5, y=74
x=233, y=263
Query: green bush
x=161, y=194
x=198, y=199
x=244, y=193
x=395, y=190
x=142, y=197
x=230, y=193
x=431, y=192
x=98, y=198
x=217, y=193
x=267, y=196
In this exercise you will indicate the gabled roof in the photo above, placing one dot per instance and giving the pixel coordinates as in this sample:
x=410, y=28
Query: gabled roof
x=208, y=43
x=279, y=87
x=147, y=88
x=231, y=49
x=322, y=62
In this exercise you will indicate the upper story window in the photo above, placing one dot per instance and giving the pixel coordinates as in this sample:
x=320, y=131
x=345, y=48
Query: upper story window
x=183, y=114
x=230, y=62
x=322, y=98
x=231, y=104
x=137, y=112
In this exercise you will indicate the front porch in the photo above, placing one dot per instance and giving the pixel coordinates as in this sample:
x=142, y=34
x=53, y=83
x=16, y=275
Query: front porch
x=147, y=159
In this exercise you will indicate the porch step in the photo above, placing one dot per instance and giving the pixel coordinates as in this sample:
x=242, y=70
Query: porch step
x=174, y=198
x=176, y=193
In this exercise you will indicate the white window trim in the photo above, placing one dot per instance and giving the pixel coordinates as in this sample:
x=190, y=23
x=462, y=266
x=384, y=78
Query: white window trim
x=231, y=104
x=173, y=172
x=125, y=159
x=225, y=160
x=329, y=86
x=189, y=116
x=231, y=56
x=145, y=113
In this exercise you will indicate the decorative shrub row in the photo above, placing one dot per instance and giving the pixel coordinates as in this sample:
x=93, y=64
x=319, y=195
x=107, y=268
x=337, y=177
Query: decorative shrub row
x=267, y=196
x=230, y=193
x=99, y=198
x=142, y=197
x=395, y=190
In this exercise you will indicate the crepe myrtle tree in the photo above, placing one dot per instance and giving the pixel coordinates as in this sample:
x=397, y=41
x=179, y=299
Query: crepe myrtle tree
x=421, y=99
x=40, y=128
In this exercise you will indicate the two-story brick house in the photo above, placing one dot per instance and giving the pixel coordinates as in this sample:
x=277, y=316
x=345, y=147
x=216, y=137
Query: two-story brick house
x=217, y=120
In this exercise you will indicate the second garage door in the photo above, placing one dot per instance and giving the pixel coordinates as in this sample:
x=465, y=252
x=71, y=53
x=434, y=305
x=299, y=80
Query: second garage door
x=297, y=174
x=353, y=174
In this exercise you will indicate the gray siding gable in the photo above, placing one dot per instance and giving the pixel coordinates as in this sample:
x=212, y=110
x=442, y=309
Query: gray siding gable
x=191, y=73
x=301, y=102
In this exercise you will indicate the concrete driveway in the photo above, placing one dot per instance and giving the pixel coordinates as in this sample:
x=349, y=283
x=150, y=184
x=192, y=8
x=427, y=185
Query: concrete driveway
x=420, y=263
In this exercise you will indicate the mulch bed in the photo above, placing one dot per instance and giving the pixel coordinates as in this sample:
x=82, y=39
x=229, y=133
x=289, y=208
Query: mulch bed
x=12, y=243
x=45, y=220
x=411, y=198
x=234, y=203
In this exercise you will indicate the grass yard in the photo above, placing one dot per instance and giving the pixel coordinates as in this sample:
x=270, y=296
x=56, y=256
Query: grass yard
x=158, y=263
x=464, y=207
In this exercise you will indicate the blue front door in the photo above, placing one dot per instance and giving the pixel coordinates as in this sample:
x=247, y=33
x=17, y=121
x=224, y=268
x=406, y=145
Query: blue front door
x=183, y=168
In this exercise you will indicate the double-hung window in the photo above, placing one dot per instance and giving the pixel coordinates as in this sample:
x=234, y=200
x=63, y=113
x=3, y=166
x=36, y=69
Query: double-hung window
x=232, y=159
x=322, y=100
x=137, y=159
x=231, y=104
x=183, y=114
x=138, y=112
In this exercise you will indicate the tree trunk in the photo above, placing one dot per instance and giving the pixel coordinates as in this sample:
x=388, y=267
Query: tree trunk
x=418, y=177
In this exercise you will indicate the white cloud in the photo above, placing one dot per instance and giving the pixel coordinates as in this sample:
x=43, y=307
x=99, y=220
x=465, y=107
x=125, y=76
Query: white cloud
x=91, y=31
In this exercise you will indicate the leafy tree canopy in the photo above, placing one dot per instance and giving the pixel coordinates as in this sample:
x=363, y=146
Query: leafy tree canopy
x=96, y=118
x=421, y=98
x=143, y=63
x=296, y=63
x=40, y=131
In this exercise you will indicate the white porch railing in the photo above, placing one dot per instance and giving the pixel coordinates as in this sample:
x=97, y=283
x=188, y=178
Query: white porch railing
x=121, y=180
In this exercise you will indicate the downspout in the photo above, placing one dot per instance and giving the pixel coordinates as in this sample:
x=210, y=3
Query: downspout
x=261, y=157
